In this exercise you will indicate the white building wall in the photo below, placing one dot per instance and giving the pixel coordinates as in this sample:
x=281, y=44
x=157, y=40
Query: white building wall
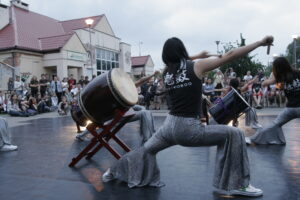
x=32, y=65
x=125, y=57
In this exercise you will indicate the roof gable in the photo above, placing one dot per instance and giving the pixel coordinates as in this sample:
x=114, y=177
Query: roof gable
x=139, y=61
x=70, y=26
x=104, y=26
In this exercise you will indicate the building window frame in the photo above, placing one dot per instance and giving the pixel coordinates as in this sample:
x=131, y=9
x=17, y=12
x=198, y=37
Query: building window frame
x=106, y=60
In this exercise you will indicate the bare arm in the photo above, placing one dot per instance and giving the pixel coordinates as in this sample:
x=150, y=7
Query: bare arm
x=203, y=54
x=244, y=88
x=206, y=65
x=269, y=81
x=145, y=79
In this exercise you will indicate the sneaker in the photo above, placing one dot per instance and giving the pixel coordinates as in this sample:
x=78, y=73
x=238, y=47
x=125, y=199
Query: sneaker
x=8, y=147
x=247, y=140
x=107, y=176
x=256, y=126
x=79, y=138
x=248, y=191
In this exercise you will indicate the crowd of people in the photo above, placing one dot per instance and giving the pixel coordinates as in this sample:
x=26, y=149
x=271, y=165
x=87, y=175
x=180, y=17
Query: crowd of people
x=152, y=94
x=27, y=98
x=255, y=94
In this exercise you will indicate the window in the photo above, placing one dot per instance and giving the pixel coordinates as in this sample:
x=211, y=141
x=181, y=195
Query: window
x=106, y=60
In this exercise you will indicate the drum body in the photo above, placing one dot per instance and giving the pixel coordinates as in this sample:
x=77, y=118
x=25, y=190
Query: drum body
x=231, y=106
x=104, y=95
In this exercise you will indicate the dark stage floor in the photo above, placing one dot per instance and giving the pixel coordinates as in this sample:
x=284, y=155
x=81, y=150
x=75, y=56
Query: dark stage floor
x=39, y=170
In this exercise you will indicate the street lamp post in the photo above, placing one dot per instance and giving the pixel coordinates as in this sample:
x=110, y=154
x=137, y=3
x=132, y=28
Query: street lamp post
x=90, y=22
x=295, y=37
x=140, y=43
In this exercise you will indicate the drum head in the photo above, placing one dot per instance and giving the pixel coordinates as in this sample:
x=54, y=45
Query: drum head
x=124, y=86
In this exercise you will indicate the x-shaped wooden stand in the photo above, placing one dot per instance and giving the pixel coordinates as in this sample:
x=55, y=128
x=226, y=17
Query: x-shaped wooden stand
x=109, y=131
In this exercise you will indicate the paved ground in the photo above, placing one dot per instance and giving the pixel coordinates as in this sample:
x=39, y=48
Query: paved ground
x=39, y=170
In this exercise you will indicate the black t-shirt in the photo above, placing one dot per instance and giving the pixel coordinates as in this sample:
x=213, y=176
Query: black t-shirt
x=292, y=93
x=43, y=81
x=33, y=82
x=185, y=91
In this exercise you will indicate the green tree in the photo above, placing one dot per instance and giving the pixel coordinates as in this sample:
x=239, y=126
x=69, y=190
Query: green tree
x=290, y=53
x=243, y=64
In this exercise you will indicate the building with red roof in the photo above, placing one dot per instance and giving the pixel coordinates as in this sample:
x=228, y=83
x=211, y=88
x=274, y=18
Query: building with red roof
x=142, y=66
x=36, y=44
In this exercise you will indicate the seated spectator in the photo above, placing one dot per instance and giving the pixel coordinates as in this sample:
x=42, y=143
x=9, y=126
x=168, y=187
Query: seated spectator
x=209, y=90
x=41, y=105
x=2, y=103
x=47, y=99
x=54, y=100
x=248, y=76
x=75, y=91
x=13, y=107
x=5, y=137
x=219, y=81
x=257, y=94
x=32, y=106
x=63, y=106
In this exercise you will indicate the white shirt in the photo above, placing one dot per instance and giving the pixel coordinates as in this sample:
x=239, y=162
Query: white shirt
x=18, y=85
x=75, y=91
x=248, y=77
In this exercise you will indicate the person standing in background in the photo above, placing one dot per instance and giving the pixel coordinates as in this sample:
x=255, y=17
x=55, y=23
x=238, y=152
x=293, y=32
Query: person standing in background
x=57, y=88
x=43, y=85
x=71, y=82
x=34, y=86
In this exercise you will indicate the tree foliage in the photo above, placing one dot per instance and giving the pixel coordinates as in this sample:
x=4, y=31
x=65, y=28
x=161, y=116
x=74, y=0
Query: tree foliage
x=290, y=53
x=243, y=64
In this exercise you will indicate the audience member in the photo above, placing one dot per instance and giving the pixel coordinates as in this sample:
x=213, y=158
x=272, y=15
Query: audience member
x=63, y=106
x=56, y=88
x=34, y=86
x=43, y=85
x=71, y=82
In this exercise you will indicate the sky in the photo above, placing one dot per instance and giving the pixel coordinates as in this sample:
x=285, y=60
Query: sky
x=198, y=23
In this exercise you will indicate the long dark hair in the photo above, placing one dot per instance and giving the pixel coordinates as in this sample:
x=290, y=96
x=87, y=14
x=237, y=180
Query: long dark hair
x=173, y=53
x=283, y=72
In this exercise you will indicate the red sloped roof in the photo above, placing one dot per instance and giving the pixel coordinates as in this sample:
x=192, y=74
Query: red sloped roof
x=7, y=38
x=54, y=42
x=30, y=26
x=70, y=25
x=34, y=31
x=139, y=60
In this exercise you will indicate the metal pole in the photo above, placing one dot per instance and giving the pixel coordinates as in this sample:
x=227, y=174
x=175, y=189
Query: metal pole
x=295, y=53
x=91, y=51
x=140, y=48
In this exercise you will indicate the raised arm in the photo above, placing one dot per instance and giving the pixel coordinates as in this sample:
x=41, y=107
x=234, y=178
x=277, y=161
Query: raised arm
x=206, y=65
x=203, y=54
x=145, y=79
x=269, y=81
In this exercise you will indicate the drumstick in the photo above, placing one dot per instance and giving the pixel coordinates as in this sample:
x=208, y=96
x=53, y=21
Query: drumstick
x=268, y=49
